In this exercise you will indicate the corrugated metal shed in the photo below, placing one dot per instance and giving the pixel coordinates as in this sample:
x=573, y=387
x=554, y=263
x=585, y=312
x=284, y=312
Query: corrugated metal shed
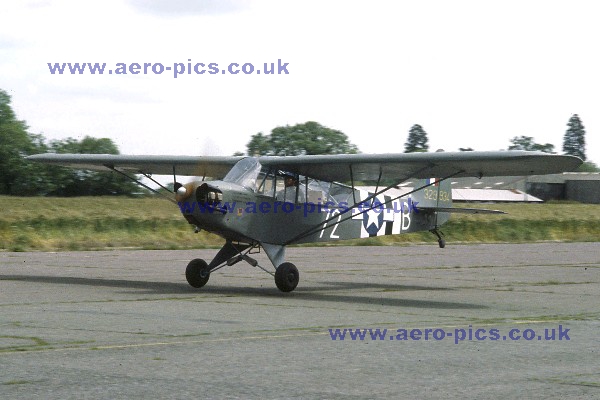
x=471, y=195
x=492, y=195
x=578, y=186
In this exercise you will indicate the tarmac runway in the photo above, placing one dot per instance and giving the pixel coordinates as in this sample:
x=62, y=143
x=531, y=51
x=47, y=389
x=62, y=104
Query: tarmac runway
x=125, y=324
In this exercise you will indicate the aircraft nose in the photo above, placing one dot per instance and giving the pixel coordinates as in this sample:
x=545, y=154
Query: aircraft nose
x=208, y=194
x=185, y=191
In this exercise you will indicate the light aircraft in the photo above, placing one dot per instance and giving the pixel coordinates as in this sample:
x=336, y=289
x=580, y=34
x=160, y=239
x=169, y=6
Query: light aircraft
x=270, y=202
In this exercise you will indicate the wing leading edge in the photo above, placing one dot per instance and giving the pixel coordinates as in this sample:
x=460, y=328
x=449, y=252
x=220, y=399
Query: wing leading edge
x=214, y=167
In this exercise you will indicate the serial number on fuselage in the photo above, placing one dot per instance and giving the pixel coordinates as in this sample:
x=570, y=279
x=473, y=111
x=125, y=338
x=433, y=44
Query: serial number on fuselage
x=434, y=194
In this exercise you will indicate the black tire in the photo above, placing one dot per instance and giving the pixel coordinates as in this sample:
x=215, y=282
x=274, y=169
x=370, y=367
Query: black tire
x=442, y=243
x=287, y=277
x=197, y=273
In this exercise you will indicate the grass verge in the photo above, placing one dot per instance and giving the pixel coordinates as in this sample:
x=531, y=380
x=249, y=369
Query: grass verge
x=91, y=223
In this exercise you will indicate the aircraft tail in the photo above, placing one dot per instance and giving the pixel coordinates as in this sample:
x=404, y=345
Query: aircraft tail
x=437, y=197
x=438, y=194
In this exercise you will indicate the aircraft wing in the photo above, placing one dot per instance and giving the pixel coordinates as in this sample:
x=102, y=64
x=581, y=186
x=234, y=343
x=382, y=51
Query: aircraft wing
x=214, y=167
x=343, y=167
x=423, y=165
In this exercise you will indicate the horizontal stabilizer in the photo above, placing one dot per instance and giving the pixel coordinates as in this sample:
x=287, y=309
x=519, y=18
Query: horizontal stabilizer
x=461, y=210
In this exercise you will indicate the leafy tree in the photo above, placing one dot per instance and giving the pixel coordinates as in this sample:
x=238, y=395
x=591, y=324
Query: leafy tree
x=417, y=140
x=259, y=145
x=21, y=177
x=527, y=143
x=68, y=182
x=301, y=139
x=87, y=145
x=574, y=139
x=17, y=176
x=588, y=166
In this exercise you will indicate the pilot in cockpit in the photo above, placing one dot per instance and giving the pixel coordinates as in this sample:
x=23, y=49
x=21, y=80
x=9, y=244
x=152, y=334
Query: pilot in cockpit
x=288, y=193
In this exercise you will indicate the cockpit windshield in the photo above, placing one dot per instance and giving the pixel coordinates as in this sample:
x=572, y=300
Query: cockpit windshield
x=244, y=173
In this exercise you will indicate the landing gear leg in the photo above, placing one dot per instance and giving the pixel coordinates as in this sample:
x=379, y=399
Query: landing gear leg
x=286, y=274
x=439, y=234
x=198, y=271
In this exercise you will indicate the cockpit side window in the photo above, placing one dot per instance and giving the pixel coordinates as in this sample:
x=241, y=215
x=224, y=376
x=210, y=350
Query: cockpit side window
x=271, y=182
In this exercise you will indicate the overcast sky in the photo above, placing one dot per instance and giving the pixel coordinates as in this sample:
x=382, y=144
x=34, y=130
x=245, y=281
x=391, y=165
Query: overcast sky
x=472, y=73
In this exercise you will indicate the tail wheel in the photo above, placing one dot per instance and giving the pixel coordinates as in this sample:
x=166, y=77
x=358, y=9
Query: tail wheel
x=287, y=277
x=197, y=273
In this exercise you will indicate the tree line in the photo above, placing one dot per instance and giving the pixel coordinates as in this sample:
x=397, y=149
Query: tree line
x=573, y=143
x=22, y=178
x=314, y=138
x=19, y=177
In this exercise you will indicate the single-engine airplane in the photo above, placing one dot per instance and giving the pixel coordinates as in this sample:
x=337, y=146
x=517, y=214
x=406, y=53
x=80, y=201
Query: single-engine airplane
x=270, y=202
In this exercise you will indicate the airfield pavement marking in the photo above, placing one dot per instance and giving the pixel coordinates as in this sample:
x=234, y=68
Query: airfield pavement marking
x=153, y=344
x=125, y=324
x=263, y=337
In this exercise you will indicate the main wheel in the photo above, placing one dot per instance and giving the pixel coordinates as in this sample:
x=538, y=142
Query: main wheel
x=442, y=243
x=197, y=273
x=287, y=277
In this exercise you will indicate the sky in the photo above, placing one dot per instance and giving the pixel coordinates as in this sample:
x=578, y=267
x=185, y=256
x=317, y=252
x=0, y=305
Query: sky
x=471, y=73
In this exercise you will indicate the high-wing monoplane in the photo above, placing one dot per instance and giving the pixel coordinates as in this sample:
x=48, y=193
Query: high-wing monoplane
x=270, y=202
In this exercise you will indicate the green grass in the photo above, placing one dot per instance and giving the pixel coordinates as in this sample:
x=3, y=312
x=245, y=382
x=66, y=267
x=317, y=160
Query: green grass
x=88, y=223
x=17, y=382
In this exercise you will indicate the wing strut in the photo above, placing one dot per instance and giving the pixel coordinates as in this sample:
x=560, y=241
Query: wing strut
x=174, y=180
x=149, y=176
x=377, y=185
x=134, y=180
x=352, y=181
